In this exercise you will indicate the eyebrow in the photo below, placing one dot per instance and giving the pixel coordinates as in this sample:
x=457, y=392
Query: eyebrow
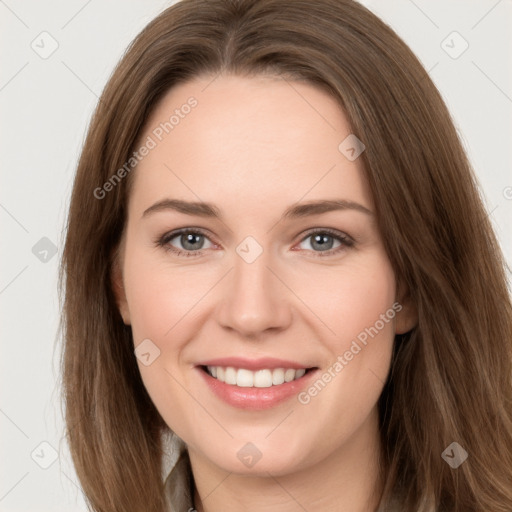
x=209, y=210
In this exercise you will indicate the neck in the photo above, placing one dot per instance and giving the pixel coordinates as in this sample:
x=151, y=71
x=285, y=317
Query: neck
x=348, y=480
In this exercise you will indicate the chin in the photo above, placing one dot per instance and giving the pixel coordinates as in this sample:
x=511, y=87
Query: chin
x=257, y=458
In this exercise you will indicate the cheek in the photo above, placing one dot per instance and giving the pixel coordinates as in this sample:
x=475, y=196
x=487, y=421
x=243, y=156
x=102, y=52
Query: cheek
x=358, y=306
x=159, y=298
x=161, y=307
x=350, y=299
x=368, y=330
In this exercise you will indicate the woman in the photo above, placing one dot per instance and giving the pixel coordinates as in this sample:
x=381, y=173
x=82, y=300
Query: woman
x=341, y=339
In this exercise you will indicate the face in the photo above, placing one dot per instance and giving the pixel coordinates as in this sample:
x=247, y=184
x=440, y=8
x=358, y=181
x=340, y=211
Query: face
x=284, y=269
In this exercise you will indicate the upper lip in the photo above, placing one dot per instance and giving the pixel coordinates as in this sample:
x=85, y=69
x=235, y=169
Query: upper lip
x=253, y=364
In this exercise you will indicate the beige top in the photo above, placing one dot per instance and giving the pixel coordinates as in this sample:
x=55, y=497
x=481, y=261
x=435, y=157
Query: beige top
x=179, y=482
x=177, y=475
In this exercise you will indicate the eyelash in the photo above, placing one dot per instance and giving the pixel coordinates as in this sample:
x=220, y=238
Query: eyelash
x=163, y=241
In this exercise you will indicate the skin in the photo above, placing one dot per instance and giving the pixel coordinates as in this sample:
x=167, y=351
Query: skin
x=254, y=147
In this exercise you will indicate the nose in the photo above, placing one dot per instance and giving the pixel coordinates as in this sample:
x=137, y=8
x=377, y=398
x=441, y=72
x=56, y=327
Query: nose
x=254, y=298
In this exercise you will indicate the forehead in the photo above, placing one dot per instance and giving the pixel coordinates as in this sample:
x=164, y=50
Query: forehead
x=246, y=138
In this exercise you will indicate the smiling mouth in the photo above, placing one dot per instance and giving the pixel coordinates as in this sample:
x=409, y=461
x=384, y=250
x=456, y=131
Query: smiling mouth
x=263, y=378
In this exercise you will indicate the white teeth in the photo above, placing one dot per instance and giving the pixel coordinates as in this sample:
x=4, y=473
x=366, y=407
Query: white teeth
x=289, y=375
x=244, y=378
x=277, y=376
x=262, y=378
x=300, y=373
x=230, y=376
x=258, y=379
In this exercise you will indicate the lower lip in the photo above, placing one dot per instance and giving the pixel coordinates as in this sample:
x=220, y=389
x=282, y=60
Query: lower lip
x=256, y=398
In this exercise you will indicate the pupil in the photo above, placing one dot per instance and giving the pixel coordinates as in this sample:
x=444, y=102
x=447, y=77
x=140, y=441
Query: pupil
x=189, y=239
x=322, y=240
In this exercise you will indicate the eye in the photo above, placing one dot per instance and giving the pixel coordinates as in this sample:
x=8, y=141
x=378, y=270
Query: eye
x=324, y=239
x=190, y=240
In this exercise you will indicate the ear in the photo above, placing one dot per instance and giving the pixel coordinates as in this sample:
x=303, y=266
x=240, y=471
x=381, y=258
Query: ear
x=407, y=314
x=116, y=279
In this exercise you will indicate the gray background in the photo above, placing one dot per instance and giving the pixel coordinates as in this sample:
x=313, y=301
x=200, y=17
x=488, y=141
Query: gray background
x=46, y=102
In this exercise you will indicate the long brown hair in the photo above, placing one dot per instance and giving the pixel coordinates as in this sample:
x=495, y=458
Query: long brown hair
x=450, y=378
